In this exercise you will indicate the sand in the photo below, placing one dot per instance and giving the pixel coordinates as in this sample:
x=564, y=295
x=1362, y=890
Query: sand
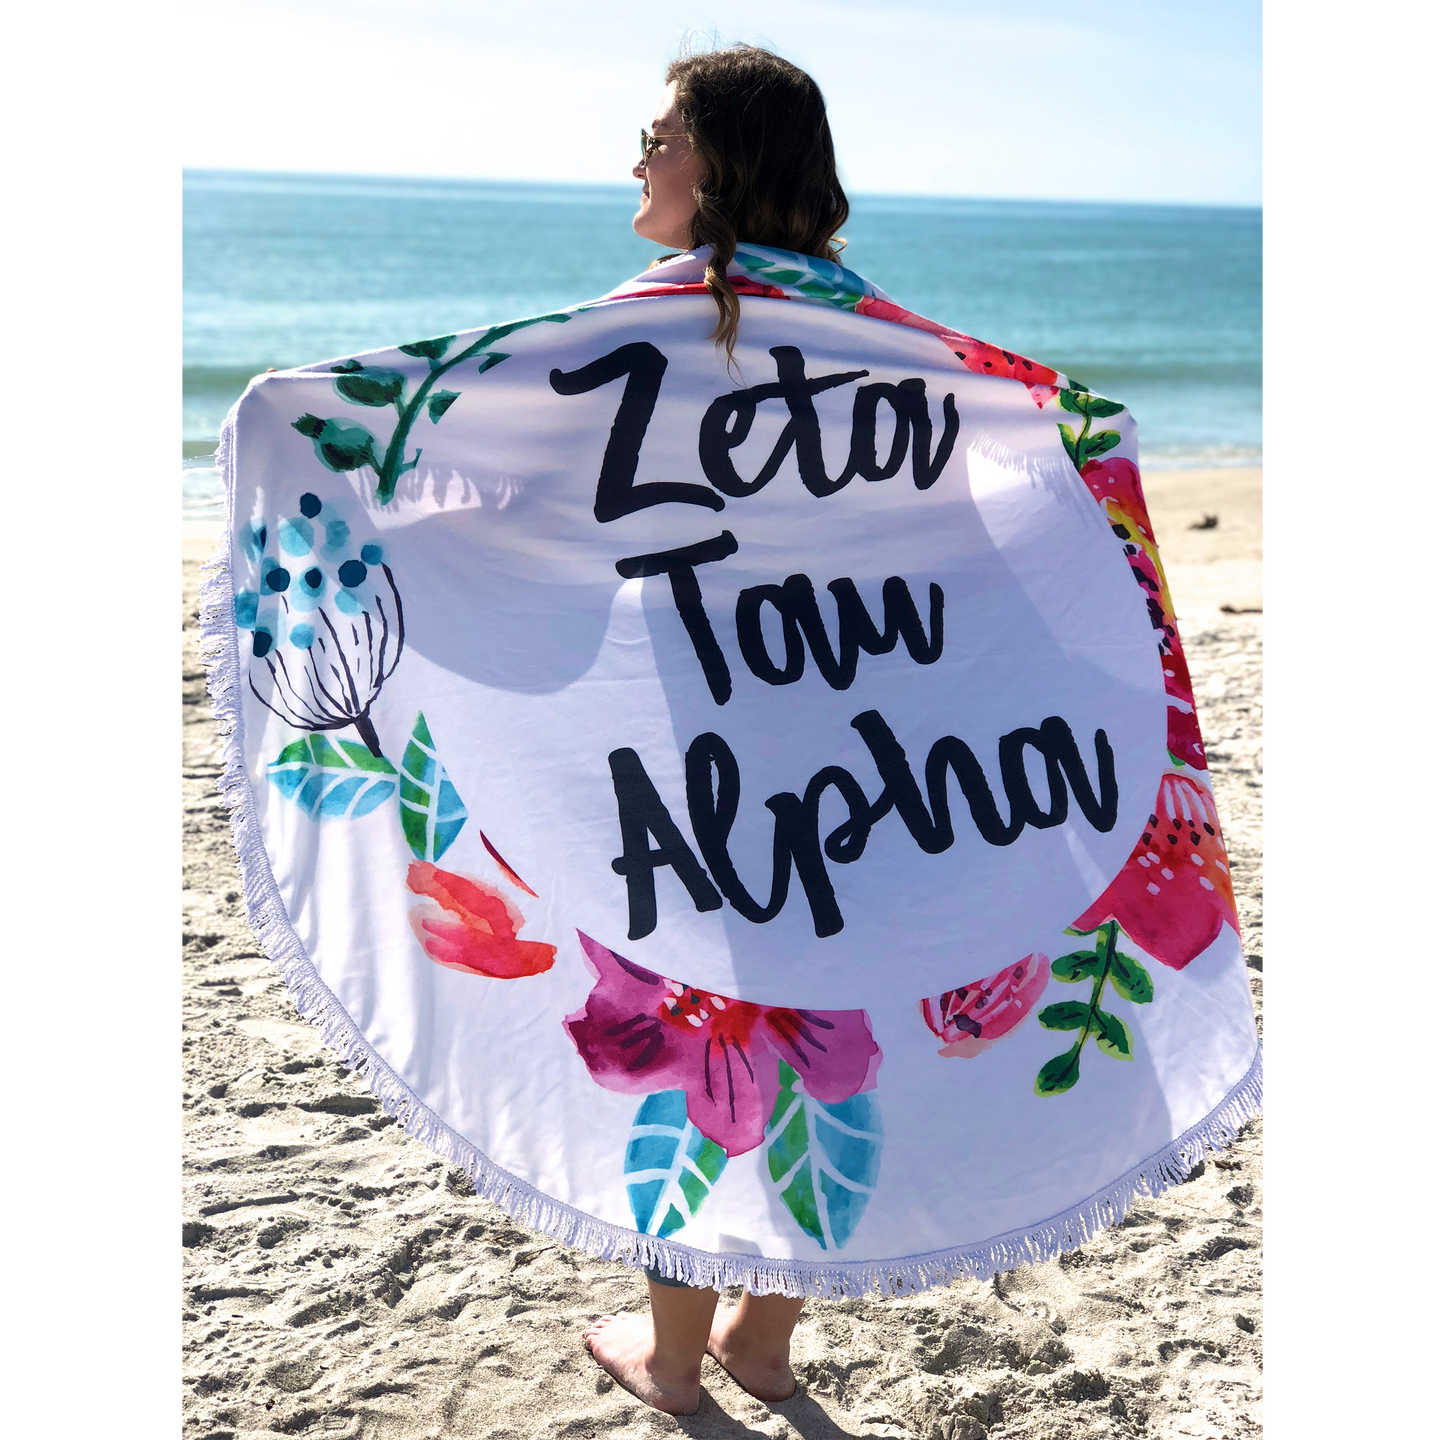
x=342, y=1281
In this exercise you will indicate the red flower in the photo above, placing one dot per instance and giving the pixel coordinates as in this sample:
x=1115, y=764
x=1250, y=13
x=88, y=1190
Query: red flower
x=483, y=938
x=1174, y=894
x=972, y=1017
x=1185, y=742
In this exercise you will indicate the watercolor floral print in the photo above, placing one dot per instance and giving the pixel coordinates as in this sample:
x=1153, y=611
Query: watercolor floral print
x=343, y=445
x=325, y=620
x=977, y=1015
x=1173, y=896
x=327, y=632
x=731, y=1075
x=472, y=926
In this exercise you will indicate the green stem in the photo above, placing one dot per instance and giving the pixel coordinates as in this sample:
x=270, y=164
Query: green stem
x=390, y=471
x=1103, y=975
x=1079, y=465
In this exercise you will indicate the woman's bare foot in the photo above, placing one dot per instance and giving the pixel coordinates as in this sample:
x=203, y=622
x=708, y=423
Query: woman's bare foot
x=755, y=1360
x=626, y=1348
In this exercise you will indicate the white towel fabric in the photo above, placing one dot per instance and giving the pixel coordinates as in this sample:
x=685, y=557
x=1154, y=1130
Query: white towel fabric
x=752, y=818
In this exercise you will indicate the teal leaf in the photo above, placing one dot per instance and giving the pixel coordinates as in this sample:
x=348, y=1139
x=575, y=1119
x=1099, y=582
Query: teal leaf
x=783, y=277
x=368, y=384
x=428, y=349
x=1066, y=1015
x=339, y=446
x=438, y=403
x=1059, y=1074
x=1131, y=979
x=823, y=1159
x=1098, y=444
x=432, y=813
x=332, y=779
x=494, y=358
x=670, y=1164
x=1077, y=966
x=1112, y=1035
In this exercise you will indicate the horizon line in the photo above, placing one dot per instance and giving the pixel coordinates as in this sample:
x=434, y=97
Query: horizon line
x=618, y=187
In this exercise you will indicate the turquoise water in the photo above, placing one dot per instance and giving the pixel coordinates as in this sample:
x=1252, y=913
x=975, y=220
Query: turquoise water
x=1157, y=306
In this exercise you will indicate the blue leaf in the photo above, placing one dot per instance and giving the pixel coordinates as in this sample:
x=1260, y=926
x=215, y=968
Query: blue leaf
x=823, y=1159
x=332, y=779
x=672, y=1166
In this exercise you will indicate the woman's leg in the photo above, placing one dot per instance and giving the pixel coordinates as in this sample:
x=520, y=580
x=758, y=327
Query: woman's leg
x=658, y=1359
x=751, y=1343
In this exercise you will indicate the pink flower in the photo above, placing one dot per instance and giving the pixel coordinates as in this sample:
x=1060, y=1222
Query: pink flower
x=640, y=1032
x=975, y=1015
x=472, y=927
x=1174, y=894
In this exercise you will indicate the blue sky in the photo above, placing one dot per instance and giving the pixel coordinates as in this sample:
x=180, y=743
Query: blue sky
x=1118, y=100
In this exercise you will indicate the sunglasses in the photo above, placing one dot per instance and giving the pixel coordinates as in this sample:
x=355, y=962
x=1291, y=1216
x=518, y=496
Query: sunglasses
x=651, y=144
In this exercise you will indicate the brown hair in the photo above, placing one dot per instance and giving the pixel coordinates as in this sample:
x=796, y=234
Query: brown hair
x=760, y=128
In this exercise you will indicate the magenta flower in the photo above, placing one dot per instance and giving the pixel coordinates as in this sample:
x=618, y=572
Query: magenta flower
x=640, y=1033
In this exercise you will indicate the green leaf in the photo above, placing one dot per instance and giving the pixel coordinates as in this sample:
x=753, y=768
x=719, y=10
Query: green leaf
x=495, y=358
x=432, y=813
x=438, y=403
x=823, y=1159
x=1066, y=1015
x=428, y=349
x=1131, y=979
x=1098, y=444
x=1112, y=1035
x=329, y=780
x=1070, y=400
x=338, y=445
x=368, y=384
x=670, y=1164
x=1059, y=1074
x=1071, y=445
x=1099, y=408
x=1078, y=966
x=785, y=277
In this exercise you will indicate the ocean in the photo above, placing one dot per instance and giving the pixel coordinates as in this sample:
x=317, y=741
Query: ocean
x=1157, y=306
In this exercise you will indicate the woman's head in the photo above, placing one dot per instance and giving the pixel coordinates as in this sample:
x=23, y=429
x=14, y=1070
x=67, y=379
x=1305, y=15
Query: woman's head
x=756, y=164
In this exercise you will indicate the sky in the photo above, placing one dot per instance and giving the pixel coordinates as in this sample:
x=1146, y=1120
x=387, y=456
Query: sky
x=1137, y=100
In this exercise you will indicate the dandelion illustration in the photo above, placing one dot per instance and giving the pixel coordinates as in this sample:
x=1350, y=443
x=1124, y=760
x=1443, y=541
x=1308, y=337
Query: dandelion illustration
x=326, y=622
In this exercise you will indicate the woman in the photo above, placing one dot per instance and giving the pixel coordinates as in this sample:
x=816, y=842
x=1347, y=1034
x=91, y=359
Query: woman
x=740, y=149
x=478, y=603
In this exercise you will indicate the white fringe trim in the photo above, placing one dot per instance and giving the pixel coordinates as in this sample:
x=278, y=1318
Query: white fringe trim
x=760, y=1275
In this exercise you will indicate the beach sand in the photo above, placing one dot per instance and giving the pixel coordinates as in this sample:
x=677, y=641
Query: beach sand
x=341, y=1281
